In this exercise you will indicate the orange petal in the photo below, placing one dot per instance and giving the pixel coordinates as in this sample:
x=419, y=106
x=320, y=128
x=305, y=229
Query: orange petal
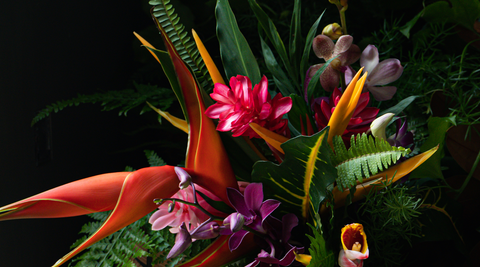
x=147, y=44
x=135, y=201
x=346, y=106
x=177, y=122
x=72, y=199
x=218, y=253
x=212, y=68
x=270, y=137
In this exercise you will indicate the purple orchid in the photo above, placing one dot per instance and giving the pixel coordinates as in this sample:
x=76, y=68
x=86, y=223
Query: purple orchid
x=379, y=73
x=182, y=241
x=324, y=48
x=402, y=137
x=253, y=209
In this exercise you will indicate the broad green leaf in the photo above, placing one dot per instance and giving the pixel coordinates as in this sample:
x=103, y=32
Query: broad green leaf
x=299, y=113
x=279, y=77
x=463, y=12
x=400, y=106
x=308, y=47
x=437, y=129
x=237, y=57
x=274, y=37
x=301, y=181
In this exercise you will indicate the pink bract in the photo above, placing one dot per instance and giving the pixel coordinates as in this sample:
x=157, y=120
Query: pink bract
x=239, y=105
x=360, y=121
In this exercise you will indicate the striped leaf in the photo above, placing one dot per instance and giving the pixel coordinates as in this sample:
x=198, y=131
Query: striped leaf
x=302, y=179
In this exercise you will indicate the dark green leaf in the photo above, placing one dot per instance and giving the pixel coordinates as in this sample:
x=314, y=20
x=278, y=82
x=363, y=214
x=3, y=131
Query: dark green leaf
x=279, y=77
x=236, y=54
x=308, y=47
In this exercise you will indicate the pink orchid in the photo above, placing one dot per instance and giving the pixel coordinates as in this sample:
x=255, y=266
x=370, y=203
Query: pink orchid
x=361, y=118
x=238, y=106
x=379, y=73
x=324, y=48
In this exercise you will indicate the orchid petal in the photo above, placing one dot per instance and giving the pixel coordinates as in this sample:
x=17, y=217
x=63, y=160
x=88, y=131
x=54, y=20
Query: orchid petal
x=274, y=139
x=289, y=221
x=134, y=202
x=382, y=93
x=350, y=56
x=268, y=207
x=253, y=196
x=386, y=72
x=329, y=79
x=237, y=200
x=236, y=239
x=369, y=58
x=343, y=261
x=211, y=67
x=182, y=241
x=94, y=194
x=323, y=46
x=342, y=45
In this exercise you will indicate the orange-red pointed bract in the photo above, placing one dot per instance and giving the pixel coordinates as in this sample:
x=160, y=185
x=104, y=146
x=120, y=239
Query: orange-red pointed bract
x=93, y=194
x=134, y=202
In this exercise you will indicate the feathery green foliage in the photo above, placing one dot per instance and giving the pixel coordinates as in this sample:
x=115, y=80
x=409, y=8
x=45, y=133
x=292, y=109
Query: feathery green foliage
x=125, y=100
x=390, y=220
x=321, y=255
x=367, y=156
x=164, y=12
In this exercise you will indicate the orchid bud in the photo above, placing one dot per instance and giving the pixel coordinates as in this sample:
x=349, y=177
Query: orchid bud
x=206, y=231
x=184, y=177
x=182, y=241
x=234, y=222
x=171, y=206
x=379, y=125
x=334, y=31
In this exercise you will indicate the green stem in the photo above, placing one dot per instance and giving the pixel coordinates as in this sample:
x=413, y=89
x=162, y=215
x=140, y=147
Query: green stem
x=470, y=174
x=342, y=18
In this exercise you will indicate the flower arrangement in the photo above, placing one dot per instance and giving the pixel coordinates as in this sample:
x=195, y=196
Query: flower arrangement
x=319, y=172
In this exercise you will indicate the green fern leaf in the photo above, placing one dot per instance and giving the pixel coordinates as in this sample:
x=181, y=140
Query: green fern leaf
x=164, y=12
x=367, y=156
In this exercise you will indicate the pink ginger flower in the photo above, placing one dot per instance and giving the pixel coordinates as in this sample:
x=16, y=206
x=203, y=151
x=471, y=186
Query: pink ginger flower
x=360, y=121
x=239, y=105
x=182, y=213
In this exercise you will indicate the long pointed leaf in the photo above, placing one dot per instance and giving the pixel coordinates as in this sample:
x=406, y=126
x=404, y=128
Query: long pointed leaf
x=308, y=47
x=279, y=77
x=270, y=137
x=211, y=67
x=301, y=181
x=272, y=34
x=236, y=54
x=177, y=122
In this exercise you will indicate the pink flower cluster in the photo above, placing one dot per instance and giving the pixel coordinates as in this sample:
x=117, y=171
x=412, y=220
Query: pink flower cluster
x=239, y=105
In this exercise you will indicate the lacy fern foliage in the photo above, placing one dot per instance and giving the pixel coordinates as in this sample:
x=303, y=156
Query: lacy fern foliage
x=125, y=100
x=164, y=12
x=367, y=156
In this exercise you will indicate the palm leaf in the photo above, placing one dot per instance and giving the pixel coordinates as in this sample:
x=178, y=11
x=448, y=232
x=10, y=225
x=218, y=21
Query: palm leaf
x=367, y=156
x=301, y=181
x=164, y=12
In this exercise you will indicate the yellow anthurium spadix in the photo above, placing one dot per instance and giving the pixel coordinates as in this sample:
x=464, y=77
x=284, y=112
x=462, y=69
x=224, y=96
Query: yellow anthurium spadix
x=212, y=68
x=346, y=106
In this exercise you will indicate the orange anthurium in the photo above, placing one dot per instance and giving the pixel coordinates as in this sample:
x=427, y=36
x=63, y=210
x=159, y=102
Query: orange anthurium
x=346, y=106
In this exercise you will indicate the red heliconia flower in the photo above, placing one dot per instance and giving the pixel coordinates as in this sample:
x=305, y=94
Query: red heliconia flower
x=360, y=121
x=239, y=105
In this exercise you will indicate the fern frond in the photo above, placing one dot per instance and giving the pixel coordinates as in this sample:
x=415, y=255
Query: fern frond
x=125, y=100
x=154, y=159
x=164, y=12
x=367, y=156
